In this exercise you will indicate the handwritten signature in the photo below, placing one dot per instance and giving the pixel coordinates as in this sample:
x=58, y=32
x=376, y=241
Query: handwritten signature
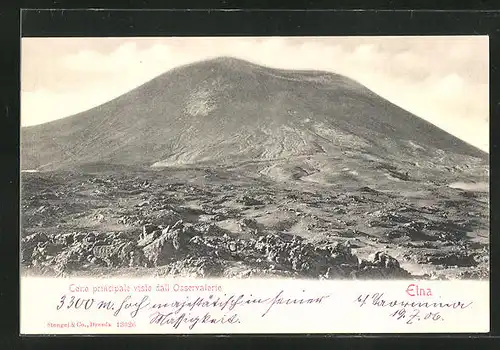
x=411, y=311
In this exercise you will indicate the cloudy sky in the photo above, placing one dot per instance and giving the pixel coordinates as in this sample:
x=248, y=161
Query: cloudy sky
x=441, y=79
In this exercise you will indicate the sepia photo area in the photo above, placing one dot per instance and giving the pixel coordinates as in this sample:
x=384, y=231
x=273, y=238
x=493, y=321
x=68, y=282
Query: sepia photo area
x=349, y=158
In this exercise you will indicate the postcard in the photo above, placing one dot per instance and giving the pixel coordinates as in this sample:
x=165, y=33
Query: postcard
x=242, y=185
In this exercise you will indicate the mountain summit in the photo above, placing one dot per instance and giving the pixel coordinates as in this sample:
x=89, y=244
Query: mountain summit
x=225, y=111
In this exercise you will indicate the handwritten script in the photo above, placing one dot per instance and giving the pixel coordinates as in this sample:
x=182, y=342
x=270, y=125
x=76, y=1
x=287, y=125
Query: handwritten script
x=411, y=311
x=189, y=310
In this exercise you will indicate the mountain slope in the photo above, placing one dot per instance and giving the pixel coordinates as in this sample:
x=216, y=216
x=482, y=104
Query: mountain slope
x=227, y=110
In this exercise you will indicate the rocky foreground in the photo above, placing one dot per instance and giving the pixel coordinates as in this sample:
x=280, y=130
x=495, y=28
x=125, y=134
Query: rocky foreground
x=204, y=251
x=206, y=226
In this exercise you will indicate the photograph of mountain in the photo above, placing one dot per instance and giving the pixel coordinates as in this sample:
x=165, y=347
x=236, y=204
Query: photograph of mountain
x=293, y=157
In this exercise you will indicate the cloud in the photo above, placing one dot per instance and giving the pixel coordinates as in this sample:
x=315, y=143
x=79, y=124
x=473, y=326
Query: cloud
x=441, y=79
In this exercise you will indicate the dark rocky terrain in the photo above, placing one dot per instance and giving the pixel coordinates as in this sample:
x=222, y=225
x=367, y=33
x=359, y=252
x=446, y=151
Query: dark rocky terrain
x=225, y=168
x=218, y=222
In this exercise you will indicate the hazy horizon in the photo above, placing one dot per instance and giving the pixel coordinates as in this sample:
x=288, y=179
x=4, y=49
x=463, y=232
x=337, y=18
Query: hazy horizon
x=443, y=80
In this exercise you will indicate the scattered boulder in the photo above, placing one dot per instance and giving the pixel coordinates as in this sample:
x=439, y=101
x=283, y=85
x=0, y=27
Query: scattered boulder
x=147, y=230
x=28, y=245
x=456, y=258
x=247, y=223
x=146, y=239
x=366, y=189
x=250, y=201
x=384, y=260
x=170, y=244
x=380, y=266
